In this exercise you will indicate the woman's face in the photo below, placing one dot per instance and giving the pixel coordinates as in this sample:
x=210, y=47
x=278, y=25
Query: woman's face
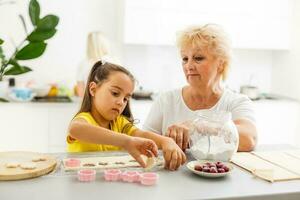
x=111, y=97
x=201, y=69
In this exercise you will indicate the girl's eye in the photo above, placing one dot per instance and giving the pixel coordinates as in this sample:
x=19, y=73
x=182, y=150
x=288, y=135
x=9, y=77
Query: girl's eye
x=116, y=94
x=126, y=99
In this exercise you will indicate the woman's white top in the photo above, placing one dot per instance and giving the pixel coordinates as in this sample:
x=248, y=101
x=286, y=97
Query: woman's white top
x=169, y=108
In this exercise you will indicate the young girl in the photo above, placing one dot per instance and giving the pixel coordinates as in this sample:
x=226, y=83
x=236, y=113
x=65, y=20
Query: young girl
x=104, y=121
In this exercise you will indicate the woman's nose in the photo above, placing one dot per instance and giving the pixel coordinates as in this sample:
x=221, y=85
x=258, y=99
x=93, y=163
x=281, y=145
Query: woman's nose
x=189, y=65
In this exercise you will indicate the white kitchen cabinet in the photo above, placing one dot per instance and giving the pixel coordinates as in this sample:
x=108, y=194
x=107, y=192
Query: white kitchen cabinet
x=278, y=122
x=40, y=127
x=251, y=24
x=23, y=127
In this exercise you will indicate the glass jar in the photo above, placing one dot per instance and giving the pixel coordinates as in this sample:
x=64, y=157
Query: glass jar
x=214, y=136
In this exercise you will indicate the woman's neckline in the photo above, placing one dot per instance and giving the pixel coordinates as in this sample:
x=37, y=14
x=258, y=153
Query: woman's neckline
x=212, y=107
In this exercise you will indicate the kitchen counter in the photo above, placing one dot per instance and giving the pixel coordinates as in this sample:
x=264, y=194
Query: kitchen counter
x=181, y=184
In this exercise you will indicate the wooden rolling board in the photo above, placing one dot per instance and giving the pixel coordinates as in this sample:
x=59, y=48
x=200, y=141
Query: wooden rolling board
x=42, y=167
x=110, y=162
x=282, y=159
x=294, y=153
x=262, y=168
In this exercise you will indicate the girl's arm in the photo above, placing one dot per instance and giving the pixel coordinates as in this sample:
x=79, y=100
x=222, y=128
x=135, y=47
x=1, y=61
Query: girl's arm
x=79, y=128
x=174, y=156
x=97, y=135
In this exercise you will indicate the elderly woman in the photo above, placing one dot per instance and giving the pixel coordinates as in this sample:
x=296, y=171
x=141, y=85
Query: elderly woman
x=205, y=54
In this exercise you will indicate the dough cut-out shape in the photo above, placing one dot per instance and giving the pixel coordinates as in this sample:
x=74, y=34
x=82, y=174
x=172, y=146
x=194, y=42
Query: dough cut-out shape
x=12, y=165
x=150, y=163
x=89, y=165
x=102, y=163
x=39, y=159
x=28, y=165
x=120, y=163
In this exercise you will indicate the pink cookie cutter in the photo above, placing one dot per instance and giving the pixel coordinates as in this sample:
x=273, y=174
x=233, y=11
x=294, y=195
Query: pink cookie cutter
x=130, y=176
x=148, y=178
x=72, y=162
x=112, y=174
x=86, y=175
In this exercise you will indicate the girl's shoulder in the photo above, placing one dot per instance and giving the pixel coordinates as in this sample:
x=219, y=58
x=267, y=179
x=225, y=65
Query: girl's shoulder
x=86, y=116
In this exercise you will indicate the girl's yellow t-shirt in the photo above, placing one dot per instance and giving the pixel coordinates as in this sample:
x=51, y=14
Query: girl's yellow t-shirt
x=120, y=126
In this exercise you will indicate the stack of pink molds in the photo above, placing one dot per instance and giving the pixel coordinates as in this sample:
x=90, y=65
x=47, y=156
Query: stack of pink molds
x=72, y=162
x=86, y=175
x=148, y=178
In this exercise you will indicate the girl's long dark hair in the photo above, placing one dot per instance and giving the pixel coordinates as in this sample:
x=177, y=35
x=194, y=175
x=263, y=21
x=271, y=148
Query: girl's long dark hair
x=99, y=73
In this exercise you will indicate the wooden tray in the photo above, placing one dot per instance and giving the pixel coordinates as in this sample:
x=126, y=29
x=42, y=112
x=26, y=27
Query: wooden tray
x=126, y=161
x=269, y=165
x=42, y=167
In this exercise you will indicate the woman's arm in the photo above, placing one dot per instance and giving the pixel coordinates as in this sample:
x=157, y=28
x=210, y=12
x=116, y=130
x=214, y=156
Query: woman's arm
x=247, y=134
x=174, y=156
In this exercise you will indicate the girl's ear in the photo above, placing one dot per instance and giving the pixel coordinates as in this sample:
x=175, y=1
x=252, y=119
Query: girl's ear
x=92, y=88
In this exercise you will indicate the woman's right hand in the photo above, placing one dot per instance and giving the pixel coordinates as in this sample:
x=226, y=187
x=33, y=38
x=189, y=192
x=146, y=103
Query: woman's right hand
x=180, y=134
x=137, y=146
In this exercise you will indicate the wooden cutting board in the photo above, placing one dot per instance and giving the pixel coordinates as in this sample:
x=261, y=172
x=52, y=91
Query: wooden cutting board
x=20, y=157
x=269, y=165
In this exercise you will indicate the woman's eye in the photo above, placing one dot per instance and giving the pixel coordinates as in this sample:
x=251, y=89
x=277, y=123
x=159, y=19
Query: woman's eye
x=199, y=58
x=184, y=60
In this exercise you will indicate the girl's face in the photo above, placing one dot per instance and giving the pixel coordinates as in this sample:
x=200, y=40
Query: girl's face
x=110, y=98
x=200, y=67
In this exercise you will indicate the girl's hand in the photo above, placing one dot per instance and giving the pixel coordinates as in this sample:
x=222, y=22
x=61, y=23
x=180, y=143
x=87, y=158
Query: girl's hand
x=180, y=134
x=137, y=146
x=174, y=156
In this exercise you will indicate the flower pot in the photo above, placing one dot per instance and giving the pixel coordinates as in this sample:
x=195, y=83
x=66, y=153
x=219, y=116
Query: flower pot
x=3, y=89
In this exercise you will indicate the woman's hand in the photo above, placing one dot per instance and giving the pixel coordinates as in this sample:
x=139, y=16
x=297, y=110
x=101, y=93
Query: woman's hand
x=137, y=146
x=180, y=134
x=174, y=156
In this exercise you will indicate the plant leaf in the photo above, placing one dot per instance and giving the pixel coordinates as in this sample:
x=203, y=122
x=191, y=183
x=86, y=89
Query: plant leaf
x=32, y=50
x=1, y=41
x=2, y=56
x=16, y=69
x=39, y=35
x=48, y=22
x=34, y=12
x=3, y=100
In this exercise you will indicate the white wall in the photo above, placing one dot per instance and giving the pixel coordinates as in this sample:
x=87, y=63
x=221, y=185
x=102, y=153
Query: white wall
x=159, y=67
x=156, y=67
x=67, y=48
x=286, y=65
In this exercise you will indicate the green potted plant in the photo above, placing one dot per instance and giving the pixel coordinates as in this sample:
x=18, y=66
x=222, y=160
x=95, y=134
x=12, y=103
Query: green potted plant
x=34, y=44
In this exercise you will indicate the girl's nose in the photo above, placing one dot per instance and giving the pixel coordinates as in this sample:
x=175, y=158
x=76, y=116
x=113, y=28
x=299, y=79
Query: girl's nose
x=120, y=101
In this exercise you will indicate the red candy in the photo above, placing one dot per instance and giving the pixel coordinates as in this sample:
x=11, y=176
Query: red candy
x=210, y=167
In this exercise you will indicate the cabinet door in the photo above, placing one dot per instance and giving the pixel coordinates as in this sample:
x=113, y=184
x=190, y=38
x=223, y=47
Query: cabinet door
x=24, y=127
x=60, y=116
x=277, y=122
x=249, y=23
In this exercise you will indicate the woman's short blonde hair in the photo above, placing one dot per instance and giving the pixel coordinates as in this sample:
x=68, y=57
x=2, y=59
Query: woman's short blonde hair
x=210, y=37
